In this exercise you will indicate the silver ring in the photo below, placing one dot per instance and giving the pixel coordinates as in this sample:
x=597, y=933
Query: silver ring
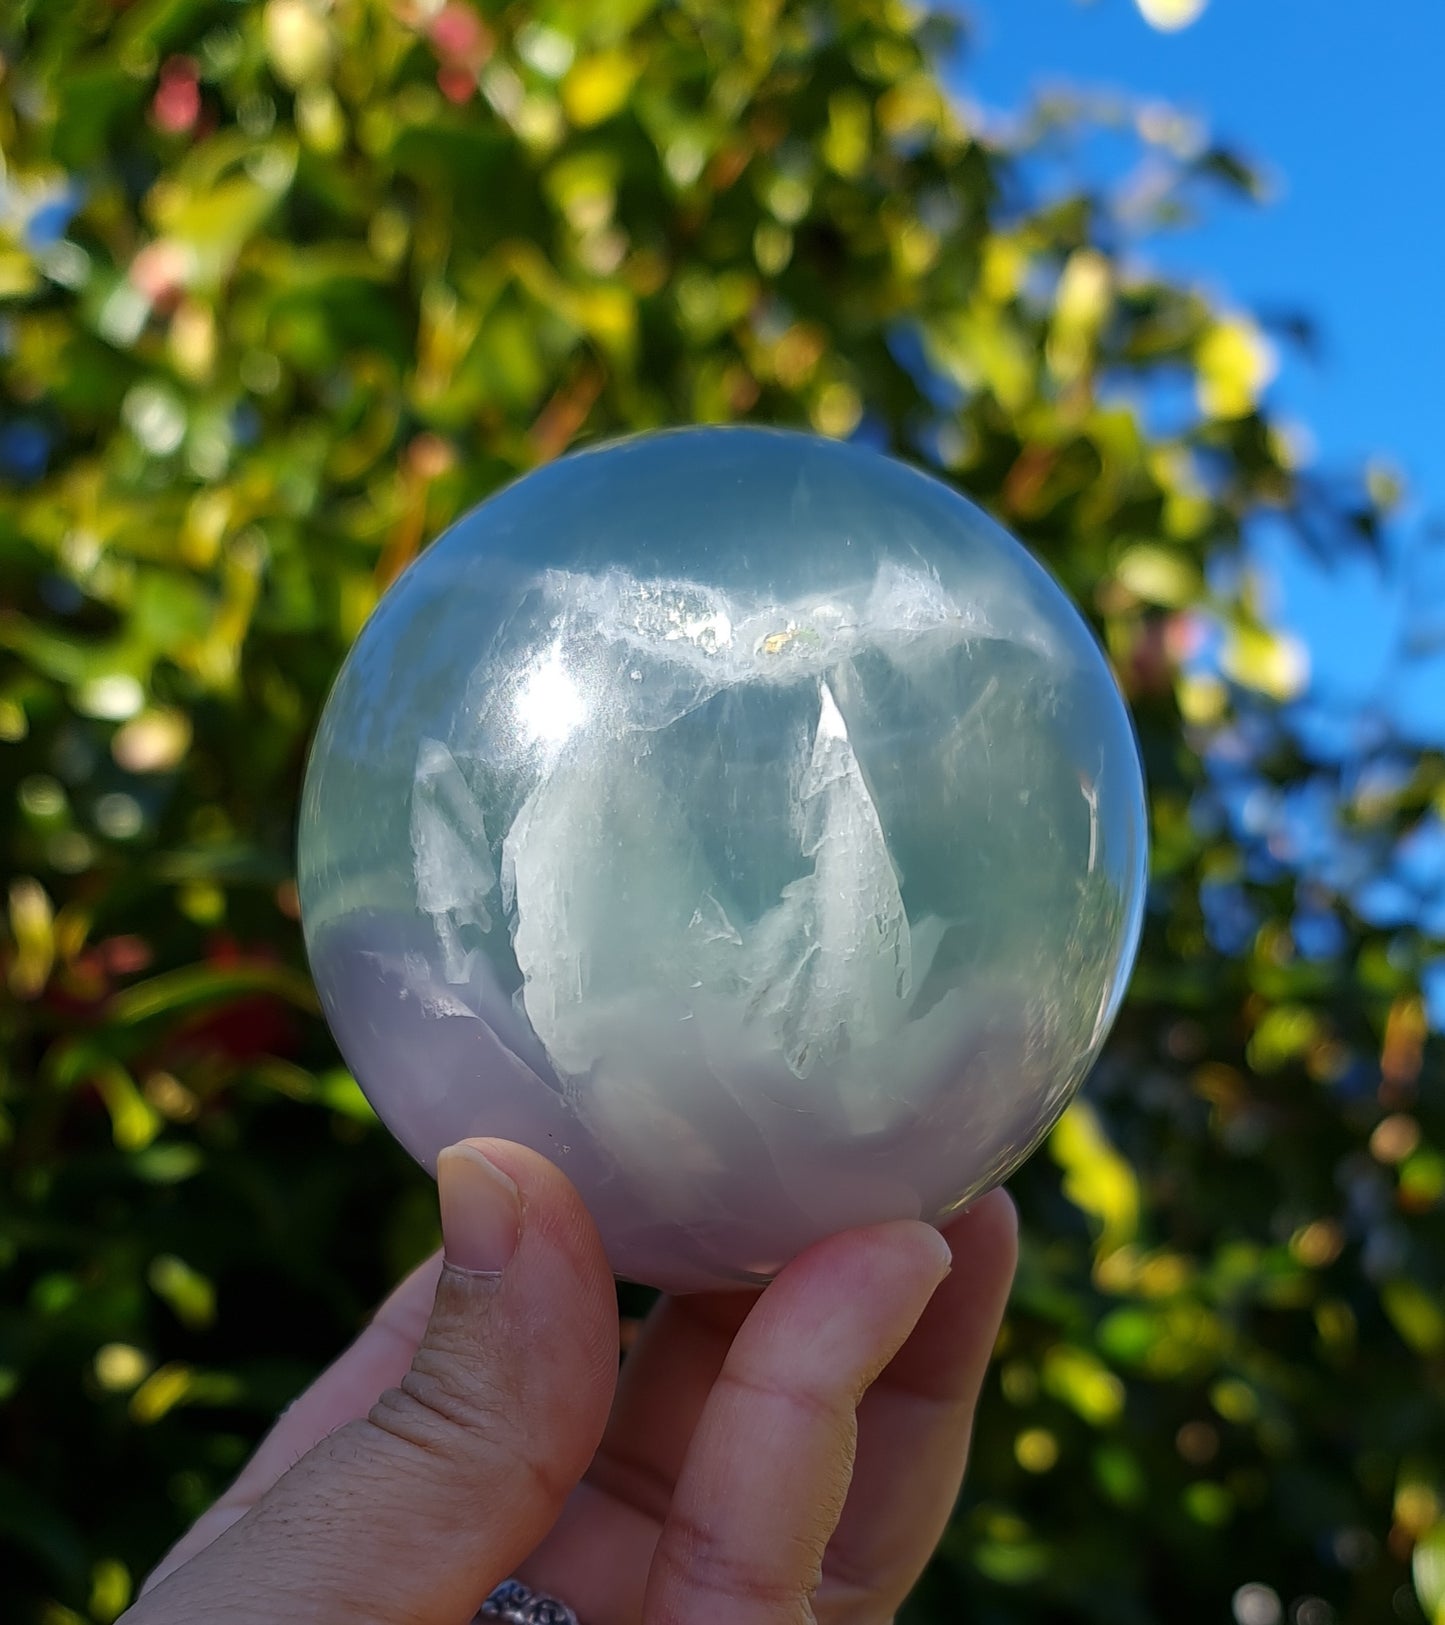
x=520, y=1605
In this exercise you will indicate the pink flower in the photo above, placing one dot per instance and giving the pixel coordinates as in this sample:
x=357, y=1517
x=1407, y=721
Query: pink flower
x=160, y=271
x=459, y=37
x=456, y=83
x=177, y=103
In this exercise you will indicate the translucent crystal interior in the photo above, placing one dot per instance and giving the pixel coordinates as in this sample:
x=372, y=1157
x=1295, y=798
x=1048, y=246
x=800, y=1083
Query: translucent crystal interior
x=743, y=821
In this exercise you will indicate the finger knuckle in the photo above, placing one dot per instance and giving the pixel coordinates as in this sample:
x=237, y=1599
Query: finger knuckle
x=794, y=1402
x=710, y=1580
x=458, y=1393
x=443, y=1409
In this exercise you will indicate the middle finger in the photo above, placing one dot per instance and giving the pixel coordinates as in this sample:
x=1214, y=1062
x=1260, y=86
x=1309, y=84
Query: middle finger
x=765, y=1478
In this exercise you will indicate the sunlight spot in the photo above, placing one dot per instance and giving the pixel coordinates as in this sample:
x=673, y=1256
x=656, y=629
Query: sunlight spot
x=1170, y=15
x=549, y=705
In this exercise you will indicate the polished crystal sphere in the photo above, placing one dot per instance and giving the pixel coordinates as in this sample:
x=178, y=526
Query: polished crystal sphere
x=742, y=820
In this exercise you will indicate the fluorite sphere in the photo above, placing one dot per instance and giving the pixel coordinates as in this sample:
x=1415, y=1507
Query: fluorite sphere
x=742, y=820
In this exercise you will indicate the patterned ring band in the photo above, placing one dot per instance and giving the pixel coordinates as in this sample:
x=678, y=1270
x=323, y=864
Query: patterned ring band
x=520, y=1605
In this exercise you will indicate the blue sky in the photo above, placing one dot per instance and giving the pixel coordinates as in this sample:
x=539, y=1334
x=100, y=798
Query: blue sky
x=1344, y=104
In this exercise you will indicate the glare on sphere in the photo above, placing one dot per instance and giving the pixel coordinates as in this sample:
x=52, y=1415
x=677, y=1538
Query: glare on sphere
x=743, y=821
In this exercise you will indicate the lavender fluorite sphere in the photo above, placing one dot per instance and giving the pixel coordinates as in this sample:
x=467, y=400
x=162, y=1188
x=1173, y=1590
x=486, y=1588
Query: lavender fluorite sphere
x=743, y=821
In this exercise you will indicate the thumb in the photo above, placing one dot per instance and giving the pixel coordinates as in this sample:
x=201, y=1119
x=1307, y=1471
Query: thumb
x=416, y=1511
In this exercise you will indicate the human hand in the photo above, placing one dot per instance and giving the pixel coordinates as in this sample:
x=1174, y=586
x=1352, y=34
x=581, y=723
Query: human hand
x=766, y=1458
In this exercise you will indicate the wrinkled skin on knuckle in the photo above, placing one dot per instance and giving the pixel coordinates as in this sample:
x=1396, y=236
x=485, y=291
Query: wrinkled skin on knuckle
x=715, y=1577
x=462, y=1393
x=715, y=1584
x=473, y=1421
x=437, y=1407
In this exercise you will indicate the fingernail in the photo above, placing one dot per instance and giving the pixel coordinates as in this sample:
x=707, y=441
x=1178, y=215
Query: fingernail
x=939, y=1242
x=481, y=1211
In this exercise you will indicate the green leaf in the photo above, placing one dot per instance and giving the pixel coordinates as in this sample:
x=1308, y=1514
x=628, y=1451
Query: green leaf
x=1160, y=576
x=190, y=1295
x=1427, y=1567
x=1416, y=1314
x=1084, y=1383
x=197, y=986
x=1096, y=1178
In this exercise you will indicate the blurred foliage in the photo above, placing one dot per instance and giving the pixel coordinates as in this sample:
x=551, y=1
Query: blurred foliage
x=286, y=287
